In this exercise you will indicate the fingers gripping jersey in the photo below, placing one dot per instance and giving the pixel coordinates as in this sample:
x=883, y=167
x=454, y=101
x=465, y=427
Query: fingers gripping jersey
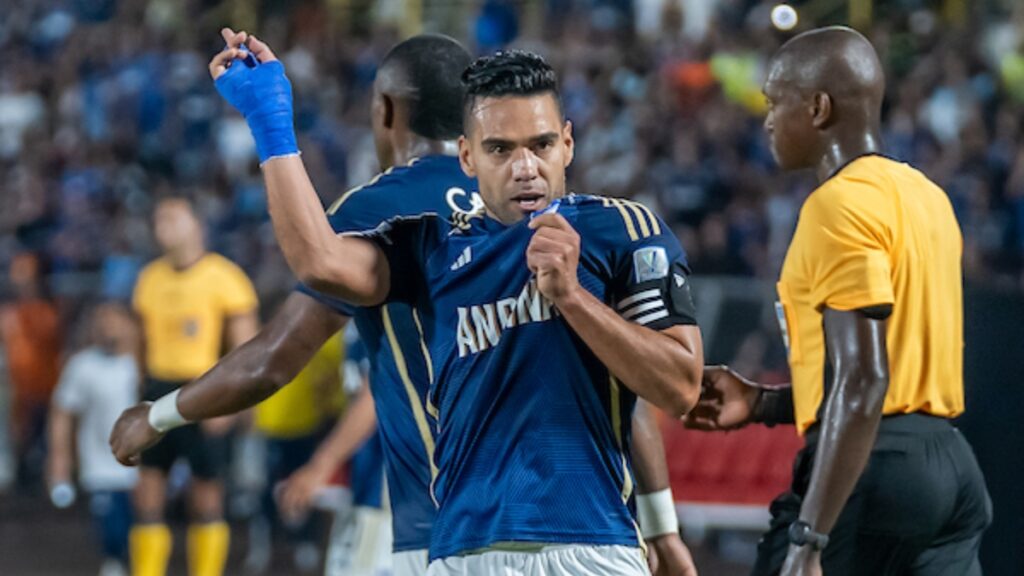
x=400, y=372
x=533, y=430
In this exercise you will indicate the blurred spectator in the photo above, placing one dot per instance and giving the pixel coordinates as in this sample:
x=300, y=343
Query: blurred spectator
x=31, y=335
x=95, y=386
x=292, y=423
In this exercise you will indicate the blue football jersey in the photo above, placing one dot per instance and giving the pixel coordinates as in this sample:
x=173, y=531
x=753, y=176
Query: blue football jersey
x=400, y=370
x=533, y=429
x=366, y=469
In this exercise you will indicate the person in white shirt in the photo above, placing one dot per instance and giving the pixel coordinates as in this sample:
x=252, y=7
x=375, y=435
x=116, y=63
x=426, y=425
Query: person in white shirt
x=96, y=385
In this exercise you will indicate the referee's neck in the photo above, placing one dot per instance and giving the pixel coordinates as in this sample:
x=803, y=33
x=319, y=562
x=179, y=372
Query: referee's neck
x=185, y=257
x=844, y=147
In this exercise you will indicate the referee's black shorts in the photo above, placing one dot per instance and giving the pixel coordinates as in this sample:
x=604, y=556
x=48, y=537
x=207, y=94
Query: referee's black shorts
x=919, y=508
x=206, y=454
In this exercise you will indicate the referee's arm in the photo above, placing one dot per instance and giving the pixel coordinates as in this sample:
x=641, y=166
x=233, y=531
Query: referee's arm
x=855, y=342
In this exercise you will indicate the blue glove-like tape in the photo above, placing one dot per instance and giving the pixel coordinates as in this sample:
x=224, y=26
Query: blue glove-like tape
x=263, y=95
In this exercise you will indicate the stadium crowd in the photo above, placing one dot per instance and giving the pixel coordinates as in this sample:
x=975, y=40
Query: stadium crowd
x=105, y=106
x=665, y=108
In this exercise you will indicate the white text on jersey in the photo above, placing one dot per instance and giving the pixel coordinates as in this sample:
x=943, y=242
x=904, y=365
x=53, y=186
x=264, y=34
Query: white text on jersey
x=481, y=326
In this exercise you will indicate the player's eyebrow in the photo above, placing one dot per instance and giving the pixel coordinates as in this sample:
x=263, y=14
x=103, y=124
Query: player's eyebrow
x=497, y=142
x=545, y=138
x=531, y=141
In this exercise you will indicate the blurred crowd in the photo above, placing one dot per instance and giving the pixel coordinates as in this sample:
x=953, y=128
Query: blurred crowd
x=106, y=105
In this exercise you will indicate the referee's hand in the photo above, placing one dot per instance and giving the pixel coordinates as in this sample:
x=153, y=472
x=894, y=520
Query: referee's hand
x=132, y=434
x=727, y=401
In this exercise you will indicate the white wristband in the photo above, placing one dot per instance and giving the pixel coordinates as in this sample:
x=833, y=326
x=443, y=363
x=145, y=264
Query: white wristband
x=164, y=415
x=657, y=514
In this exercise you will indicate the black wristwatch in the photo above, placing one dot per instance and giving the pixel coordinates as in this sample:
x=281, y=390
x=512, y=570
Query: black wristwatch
x=801, y=534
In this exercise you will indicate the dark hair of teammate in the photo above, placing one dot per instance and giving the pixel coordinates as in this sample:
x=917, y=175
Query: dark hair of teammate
x=417, y=97
x=509, y=73
x=424, y=72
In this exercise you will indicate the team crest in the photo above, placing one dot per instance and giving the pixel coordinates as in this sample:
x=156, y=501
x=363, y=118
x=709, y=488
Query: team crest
x=650, y=263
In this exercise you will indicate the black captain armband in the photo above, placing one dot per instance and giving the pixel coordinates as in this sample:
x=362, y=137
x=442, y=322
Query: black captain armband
x=660, y=303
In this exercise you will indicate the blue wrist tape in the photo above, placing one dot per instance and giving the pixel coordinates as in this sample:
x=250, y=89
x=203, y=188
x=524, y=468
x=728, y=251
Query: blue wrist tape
x=263, y=95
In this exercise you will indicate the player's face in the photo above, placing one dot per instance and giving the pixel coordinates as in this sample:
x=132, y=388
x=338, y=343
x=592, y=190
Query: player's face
x=518, y=148
x=175, y=225
x=789, y=122
x=111, y=326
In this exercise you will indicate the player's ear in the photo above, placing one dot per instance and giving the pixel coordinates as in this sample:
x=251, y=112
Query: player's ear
x=570, y=143
x=387, y=110
x=466, y=158
x=821, y=110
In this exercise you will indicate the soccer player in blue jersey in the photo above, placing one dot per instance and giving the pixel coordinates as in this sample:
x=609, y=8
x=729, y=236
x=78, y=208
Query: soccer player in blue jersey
x=544, y=315
x=416, y=114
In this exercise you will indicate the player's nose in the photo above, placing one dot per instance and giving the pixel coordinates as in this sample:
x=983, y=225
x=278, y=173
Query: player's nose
x=524, y=165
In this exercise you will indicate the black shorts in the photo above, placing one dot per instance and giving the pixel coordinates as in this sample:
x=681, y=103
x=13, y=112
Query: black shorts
x=206, y=455
x=919, y=508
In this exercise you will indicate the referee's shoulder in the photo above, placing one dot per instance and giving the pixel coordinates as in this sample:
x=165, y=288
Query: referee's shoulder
x=154, y=267
x=220, y=265
x=856, y=189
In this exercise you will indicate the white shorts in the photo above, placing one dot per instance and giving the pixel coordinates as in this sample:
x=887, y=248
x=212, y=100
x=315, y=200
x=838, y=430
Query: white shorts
x=360, y=543
x=571, y=560
x=410, y=563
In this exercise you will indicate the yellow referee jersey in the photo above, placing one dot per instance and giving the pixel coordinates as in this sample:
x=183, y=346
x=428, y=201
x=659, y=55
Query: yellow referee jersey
x=301, y=407
x=878, y=232
x=183, y=313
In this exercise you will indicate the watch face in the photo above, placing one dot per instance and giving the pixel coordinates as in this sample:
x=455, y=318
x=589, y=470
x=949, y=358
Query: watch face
x=801, y=534
x=798, y=533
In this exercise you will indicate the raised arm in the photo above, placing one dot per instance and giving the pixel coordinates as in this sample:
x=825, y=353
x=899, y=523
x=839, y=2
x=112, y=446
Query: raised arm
x=246, y=376
x=250, y=77
x=345, y=266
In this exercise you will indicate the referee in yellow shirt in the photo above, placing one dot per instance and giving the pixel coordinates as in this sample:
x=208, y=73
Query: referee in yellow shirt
x=193, y=304
x=871, y=309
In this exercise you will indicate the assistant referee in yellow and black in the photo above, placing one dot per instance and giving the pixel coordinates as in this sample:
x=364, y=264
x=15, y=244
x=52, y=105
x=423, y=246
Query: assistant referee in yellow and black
x=871, y=307
x=193, y=305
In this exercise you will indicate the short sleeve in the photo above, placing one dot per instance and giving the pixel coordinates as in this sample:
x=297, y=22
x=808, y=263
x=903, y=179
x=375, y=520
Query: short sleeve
x=70, y=393
x=237, y=293
x=139, y=293
x=648, y=270
x=336, y=304
x=358, y=211
x=406, y=243
x=652, y=284
x=847, y=244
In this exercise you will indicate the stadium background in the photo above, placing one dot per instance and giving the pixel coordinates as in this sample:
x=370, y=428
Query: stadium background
x=105, y=105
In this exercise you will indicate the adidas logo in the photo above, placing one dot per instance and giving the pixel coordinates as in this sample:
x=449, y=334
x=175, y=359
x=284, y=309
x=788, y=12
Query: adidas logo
x=465, y=258
x=680, y=280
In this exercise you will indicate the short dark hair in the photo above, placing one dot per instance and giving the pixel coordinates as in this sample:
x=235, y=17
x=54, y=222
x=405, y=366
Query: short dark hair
x=175, y=196
x=429, y=66
x=509, y=73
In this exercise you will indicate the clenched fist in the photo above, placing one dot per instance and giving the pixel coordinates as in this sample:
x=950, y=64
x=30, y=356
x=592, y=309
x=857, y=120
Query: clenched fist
x=132, y=434
x=553, y=256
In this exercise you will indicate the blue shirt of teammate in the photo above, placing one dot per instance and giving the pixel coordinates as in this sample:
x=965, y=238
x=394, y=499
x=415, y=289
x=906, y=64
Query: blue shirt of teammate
x=400, y=372
x=533, y=430
x=366, y=468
